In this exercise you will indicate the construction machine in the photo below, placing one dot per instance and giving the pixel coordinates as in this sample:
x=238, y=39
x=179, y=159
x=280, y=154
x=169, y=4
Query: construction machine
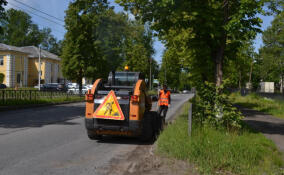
x=120, y=106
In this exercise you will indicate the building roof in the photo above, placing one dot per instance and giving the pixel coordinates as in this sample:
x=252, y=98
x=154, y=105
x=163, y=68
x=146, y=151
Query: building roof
x=34, y=52
x=5, y=47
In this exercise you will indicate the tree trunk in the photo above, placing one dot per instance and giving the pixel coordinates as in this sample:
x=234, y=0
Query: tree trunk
x=219, y=63
x=240, y=80
x=220, y=53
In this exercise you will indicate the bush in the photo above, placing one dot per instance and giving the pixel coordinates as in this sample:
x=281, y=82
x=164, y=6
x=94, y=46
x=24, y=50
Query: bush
x=212, y=106
x=2, y=76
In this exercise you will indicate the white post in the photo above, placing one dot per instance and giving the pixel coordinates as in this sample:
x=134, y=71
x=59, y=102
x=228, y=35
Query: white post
x=189, y=119
x=39, y=69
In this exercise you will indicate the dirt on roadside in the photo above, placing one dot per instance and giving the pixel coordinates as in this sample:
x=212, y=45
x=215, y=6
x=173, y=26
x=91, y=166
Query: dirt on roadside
x=143, y=161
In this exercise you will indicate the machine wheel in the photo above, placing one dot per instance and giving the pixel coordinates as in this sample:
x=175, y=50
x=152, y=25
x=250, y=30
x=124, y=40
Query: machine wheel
x=148, y=131
x=93, y=136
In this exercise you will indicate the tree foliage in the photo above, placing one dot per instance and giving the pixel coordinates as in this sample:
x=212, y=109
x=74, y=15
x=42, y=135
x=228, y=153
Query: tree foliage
x=139, y=50
x=82, y=53
x=208, y=37
x=272, y=53
x=19, y=30
x=99, y=40
x=2, y=12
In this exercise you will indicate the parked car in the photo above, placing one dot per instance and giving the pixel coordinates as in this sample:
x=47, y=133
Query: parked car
x=62, y=87
x=54, y=87
x=76, y=90
x=185, y=91
x=50, y=87
x=3, y=86
x=72, y=85
x=89, y=86
x=41, y=86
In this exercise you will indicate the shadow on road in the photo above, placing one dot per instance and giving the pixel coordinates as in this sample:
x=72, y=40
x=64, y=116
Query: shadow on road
x=262, y=122
x=266, y=127
x=38, y=117
x=124, y=140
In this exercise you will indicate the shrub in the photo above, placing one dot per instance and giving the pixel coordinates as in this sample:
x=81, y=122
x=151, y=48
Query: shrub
x=2, y=76
x=212, y=105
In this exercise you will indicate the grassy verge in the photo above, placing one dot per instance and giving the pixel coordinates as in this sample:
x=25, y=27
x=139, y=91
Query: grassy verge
x=152, y=92
x=254, y=101
x=217, y=151
x=42, y=101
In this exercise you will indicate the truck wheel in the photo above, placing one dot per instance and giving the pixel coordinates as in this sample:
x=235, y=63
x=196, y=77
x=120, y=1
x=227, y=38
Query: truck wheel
x=93, y=136
x=147, y=127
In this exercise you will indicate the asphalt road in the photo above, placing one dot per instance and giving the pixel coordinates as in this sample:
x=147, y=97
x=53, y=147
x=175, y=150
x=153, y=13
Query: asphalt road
x=53, y=140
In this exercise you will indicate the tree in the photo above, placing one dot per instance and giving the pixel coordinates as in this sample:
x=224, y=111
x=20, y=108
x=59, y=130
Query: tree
x=113, y=30
x=238, y=69
x=2, y=12
x=82, y=53
x=214, y=31
x=50, y=43
x=170, y=70
x=19, y=30
x=272, y=53
x=138, y=49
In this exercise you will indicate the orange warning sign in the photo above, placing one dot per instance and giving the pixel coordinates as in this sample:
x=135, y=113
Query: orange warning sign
x=110, y=108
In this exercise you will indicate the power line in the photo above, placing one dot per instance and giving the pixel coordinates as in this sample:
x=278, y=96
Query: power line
x=37, y=15
x=39, y=10
x=39, y=23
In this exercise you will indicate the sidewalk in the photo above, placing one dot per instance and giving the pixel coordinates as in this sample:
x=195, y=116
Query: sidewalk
x=270, y=126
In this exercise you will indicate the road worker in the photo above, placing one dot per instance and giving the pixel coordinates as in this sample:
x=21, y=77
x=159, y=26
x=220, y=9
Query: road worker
x=164, y=102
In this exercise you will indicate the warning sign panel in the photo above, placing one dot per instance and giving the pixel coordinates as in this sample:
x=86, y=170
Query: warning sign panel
x=109, y=109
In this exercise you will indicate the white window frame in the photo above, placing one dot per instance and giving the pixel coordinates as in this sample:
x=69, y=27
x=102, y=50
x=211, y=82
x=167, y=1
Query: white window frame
x=2, y=60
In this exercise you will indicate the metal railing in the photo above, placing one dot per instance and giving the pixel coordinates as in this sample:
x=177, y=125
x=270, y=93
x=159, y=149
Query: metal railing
x=32, y=95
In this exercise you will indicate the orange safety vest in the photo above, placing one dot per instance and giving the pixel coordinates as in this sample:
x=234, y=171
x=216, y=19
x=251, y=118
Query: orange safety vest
x=164, y=98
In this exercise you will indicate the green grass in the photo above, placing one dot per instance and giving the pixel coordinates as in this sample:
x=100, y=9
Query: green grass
x=256, y=102
x=152, y=92
x=22, y=88
x=217, y=151
x=13, y=102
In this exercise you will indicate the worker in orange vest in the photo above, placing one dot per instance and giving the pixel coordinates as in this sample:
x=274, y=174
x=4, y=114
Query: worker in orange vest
x=164, y=101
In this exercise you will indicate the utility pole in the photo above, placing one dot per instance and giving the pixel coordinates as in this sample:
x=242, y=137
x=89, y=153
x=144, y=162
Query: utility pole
x=39, y=69
x=165, y=72
x=150, y=77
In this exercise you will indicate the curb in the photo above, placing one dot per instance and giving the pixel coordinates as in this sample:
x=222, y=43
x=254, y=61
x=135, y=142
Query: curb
x=12, y=108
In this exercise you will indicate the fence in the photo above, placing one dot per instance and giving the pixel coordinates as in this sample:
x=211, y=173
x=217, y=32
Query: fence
x=32, y=95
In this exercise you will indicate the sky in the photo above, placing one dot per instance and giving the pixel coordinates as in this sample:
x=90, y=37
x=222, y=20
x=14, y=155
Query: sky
x=56, y=8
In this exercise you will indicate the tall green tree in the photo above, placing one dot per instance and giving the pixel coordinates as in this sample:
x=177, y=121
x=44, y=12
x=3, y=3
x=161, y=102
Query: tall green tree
x=214, y=31
x=19, y=30
x=138, y=49
x=113, y=30
x=238, y=69
x=216, y=28
x=170, y=69
x=82, y=53
x=272, y=53
x=2, y=13
x=50, y=43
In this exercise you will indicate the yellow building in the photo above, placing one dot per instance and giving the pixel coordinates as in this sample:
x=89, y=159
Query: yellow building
x=20, y=65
